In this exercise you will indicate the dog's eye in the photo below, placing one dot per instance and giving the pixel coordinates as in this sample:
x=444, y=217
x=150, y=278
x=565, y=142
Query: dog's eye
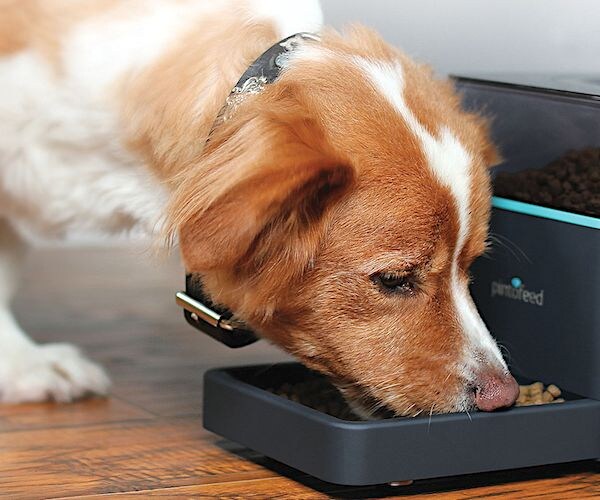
x=395, y=283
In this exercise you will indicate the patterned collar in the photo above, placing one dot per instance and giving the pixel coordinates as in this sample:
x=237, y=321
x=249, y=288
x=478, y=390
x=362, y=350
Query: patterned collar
x=266, y=69
x=198, y=309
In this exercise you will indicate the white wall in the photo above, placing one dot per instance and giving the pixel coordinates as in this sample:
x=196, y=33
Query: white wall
x=458, y=36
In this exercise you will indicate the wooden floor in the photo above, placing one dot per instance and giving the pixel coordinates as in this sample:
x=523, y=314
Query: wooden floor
x=146, y=439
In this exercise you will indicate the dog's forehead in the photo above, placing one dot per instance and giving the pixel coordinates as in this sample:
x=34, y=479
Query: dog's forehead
x=443, y=154
x=405, y=133
x=393, y=110
x=384, y=216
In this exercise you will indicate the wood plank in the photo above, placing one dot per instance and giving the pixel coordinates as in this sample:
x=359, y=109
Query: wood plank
x=274, y=488
x=574, y=486
x=119, y=458
x=131, y=326
x=86, y=412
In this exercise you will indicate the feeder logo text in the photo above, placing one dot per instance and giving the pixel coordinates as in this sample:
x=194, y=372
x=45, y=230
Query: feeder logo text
x=515, y=290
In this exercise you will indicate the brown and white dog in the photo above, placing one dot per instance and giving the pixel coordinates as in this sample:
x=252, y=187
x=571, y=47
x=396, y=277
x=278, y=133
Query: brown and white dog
x=337, y=212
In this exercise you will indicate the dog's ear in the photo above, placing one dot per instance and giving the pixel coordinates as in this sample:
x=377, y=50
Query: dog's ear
x=259, y=192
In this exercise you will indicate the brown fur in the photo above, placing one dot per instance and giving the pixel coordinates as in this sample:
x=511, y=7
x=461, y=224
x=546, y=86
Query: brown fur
x=170, y=107
x=310, y=189
x=310, y=182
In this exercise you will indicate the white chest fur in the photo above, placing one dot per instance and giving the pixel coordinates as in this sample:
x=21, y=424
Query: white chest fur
x=62, y=165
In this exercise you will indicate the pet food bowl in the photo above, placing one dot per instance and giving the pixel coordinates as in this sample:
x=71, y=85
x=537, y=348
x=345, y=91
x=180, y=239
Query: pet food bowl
x=238, y=407
x=538, y=292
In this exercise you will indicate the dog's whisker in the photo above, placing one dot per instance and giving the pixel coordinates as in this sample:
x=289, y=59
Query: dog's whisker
x=509, y=245
x=430, y=416
x=468, y=414
x=517, y=247
x=407, y=412
x=496, y=240
x=505, y=351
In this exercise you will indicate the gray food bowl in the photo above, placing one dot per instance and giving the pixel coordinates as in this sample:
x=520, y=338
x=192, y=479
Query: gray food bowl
x=238, y=407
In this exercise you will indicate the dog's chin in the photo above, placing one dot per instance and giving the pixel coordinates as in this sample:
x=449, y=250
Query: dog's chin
x=367, y=407
x=364, y=405
x=370, y=411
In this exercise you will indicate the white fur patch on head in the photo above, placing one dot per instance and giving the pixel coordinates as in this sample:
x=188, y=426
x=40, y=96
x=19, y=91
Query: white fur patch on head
x=450, y=162
x=480, y=339
x=446, y=156
x=312, y=52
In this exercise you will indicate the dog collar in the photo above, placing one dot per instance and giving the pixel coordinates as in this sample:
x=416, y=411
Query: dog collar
x=198, y=309
x=266, y=69
x=218, y=323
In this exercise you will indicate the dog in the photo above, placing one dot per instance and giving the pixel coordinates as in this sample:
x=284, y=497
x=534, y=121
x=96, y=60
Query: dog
x=336, y=212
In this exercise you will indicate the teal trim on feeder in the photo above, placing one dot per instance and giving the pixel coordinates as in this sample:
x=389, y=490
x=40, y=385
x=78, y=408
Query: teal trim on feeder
x=545, y=212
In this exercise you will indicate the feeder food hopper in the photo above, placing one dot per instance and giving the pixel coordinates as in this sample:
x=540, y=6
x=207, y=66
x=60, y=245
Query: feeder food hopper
x=539, y=293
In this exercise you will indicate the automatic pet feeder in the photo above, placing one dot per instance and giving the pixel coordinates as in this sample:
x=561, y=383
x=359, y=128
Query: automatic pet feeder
x=539, y=293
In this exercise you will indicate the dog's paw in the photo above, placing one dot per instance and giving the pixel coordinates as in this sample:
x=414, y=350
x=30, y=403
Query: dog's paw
x=56, y=372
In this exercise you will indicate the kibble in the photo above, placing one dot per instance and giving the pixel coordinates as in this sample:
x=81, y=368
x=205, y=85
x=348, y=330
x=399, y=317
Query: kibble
x=317, y=393
x=537, y=394
x=571, y=183
x=555, y=391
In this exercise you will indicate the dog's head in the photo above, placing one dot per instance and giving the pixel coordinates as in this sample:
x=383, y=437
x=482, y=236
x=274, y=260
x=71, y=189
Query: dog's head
x=338, y=212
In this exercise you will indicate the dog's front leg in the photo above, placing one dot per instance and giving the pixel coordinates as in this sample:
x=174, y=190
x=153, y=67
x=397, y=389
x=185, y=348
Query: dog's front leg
x=31, y=372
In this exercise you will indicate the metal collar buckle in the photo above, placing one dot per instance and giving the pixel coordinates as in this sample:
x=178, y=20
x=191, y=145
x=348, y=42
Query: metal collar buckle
x=202, y=315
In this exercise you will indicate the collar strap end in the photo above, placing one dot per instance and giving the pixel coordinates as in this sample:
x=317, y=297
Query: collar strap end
x=219, y=326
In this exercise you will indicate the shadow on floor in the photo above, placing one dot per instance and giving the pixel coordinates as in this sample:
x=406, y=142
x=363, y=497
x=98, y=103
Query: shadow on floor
x=426, y=486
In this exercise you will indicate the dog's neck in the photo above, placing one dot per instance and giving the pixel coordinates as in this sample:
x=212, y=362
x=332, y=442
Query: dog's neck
x=170, y=107
x=200, y=312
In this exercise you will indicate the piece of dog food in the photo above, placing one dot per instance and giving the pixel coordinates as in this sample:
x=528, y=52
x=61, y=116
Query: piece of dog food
x=536, y=394
x=555, y=391
x=571, y=183
x=535, y=390
x=547, y=397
